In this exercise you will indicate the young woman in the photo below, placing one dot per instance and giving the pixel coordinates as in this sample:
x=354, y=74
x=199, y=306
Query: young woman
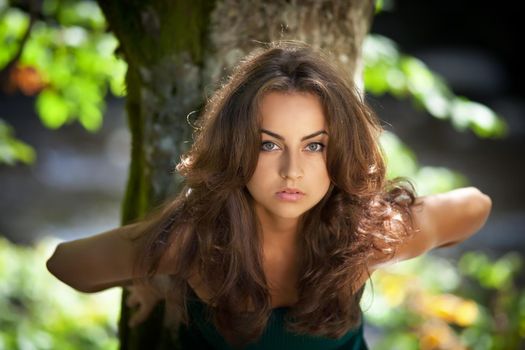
x=284, y=215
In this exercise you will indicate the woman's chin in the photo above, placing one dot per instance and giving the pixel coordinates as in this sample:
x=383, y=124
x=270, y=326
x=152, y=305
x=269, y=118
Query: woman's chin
x=287, y=214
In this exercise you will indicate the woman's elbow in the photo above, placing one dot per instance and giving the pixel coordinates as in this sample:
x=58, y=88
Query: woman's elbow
x=481, y=206
x=464, y=213
x=484, y=204
x=61, y=270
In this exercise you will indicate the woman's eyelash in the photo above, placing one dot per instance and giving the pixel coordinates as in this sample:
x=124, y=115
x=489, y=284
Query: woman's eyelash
x=318, y=143
x=312, y=143
x=266, y=143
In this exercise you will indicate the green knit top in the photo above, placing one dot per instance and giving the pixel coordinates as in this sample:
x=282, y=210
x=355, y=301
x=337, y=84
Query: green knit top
x=202, y=334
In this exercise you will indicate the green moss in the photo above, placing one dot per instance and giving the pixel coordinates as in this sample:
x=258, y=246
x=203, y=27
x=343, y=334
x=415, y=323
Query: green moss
x=135, y=203
x=149, y=30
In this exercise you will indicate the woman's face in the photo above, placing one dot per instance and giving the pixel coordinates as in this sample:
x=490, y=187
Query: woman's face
x=292, y=155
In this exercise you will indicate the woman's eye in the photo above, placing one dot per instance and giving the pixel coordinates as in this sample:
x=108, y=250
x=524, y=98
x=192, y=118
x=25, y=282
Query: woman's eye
x=316, y=149
x=267, y=148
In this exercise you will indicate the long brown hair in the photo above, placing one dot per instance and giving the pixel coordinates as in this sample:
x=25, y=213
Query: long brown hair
x=211, y=226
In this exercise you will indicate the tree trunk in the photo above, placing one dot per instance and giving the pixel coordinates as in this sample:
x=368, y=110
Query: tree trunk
x=177, y=52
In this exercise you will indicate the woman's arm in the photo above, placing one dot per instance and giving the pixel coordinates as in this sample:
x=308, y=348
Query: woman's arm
x=101, y=261
x=441, y=220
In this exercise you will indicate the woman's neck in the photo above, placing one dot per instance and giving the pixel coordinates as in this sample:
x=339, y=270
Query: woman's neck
x=277, y=231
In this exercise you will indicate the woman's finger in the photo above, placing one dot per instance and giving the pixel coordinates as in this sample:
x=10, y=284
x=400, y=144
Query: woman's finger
x=131, y=300
x=139, y=316
x=134, y=319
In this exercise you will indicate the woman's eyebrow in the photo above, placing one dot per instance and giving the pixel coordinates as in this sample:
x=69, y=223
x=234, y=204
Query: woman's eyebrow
x=277, y=136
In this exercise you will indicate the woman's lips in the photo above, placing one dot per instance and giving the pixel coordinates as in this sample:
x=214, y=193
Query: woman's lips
x=289, y=197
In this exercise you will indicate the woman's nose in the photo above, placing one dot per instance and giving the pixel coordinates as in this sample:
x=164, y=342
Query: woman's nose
x=291, y=166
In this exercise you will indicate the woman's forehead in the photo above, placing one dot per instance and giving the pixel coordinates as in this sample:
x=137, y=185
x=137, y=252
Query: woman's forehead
x=296, y=110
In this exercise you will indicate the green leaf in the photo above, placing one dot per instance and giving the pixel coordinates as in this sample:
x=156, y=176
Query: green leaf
x=483, y=120
x=85, y=13
x=52, y=108
x=431, y=180
x=401, y=161
x=420, y=79
x=13, y=25
x=90, y=117
x=117, y=80
x=12, y=149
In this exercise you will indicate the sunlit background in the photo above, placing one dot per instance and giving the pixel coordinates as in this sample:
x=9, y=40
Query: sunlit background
x=446, y=84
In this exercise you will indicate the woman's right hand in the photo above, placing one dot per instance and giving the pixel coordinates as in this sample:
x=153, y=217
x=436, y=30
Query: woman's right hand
x=142, y=300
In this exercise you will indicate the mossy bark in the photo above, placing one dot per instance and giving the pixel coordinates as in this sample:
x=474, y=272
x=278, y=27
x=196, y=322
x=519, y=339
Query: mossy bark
x=177, y=53
x=162, y=41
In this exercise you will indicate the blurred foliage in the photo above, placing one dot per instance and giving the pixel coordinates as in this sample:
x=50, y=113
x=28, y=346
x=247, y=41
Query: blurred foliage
x=401, y=161
x=39, y=312
x=68, y=62
x=389, y=71
x=12, y=149
x=430, y=303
